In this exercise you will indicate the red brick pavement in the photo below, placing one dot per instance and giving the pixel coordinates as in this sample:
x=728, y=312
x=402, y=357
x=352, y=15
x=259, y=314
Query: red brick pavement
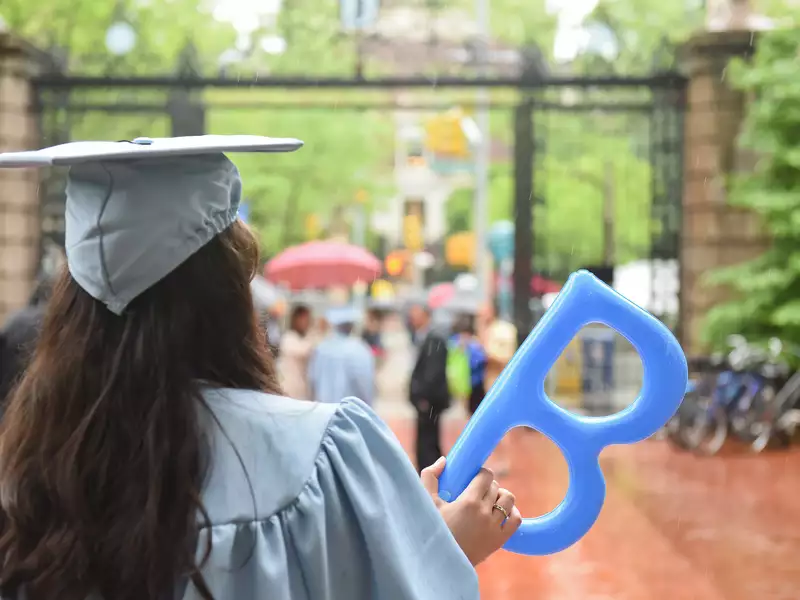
x=674, y=526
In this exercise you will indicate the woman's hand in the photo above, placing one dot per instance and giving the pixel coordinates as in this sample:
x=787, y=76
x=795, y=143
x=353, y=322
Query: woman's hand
x=478, y=527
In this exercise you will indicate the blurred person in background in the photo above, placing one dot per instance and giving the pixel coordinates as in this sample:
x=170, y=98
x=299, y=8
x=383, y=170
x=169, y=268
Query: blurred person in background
x=147, y=453
x=500, y=343
x=294, y=352
x=464, y=335
x=322, y=326
x=499, y=339
x=274, y=327
x=342, y=365
x=428, y=389
x=372, y=334
x=19, y=335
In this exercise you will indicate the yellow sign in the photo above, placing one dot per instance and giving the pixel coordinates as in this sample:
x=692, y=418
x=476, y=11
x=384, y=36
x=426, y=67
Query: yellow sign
x=312, y=226
x=412, y=232
x=459, y=249
x=444, y=135
x=382, y=289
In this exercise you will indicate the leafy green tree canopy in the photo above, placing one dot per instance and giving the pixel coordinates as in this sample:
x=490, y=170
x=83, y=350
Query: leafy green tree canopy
x=767, y=289
x=346, y=151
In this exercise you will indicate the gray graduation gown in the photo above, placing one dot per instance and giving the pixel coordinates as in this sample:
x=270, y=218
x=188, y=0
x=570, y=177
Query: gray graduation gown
x=337, y=511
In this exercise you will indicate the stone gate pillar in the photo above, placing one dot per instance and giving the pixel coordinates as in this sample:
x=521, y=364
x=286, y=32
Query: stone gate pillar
x=19, y=202
x=714, y=233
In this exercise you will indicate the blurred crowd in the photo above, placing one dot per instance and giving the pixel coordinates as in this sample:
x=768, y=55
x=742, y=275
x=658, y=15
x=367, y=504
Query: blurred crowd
x=338, y=352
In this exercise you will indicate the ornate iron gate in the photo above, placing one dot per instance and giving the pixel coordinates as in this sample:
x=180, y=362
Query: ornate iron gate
x=558, y=124
x=616, y=144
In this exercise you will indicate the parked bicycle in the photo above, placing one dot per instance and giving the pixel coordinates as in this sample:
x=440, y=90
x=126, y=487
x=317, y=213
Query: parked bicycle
x=779, y=419
x=675, y=428
x=749, y=393
x=698, y=417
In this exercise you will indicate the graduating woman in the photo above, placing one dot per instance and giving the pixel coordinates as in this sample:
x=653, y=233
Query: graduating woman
x=148, y=452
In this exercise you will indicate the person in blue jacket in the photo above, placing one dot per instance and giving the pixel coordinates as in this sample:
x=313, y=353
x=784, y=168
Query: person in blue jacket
x=464, y=335
x=342, y=365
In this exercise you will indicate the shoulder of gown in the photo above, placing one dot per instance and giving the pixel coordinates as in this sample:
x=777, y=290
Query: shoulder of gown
x=333, y=509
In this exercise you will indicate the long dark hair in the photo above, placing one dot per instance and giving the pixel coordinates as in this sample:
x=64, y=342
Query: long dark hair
x=103, y=454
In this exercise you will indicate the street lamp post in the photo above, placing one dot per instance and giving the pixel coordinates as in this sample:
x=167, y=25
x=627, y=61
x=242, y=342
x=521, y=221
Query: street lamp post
x=482, y=151
x=186, y=109
x=360, y=218
x=501, y=245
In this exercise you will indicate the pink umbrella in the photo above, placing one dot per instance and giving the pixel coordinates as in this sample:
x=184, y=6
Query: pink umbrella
x=541, y=286
x=440, y=294
x=322, y=264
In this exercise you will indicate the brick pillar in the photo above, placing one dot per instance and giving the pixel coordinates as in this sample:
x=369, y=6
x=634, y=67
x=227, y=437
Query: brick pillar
x=19, y=203
x=715, y=234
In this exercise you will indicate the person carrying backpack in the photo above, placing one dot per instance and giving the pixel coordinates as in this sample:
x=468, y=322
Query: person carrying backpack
x=466, y=362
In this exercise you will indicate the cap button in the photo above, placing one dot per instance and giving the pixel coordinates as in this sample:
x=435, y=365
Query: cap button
x=143, y=141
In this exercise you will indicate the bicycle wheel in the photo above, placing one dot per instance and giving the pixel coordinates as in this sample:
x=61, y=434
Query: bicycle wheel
x=748, y=420
x=776, y=433
x=674, y=433
x=763, y=439
x=789, y=424
x=676, y=427
x=707, y=432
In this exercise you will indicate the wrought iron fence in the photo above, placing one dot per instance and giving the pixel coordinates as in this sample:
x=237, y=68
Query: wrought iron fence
x=609, y=149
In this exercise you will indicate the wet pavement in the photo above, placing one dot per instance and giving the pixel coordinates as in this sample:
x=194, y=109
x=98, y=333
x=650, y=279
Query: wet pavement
x=674, y=526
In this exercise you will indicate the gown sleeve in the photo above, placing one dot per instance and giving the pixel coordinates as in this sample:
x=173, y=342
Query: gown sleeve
x=365, y=528
x=362, y=527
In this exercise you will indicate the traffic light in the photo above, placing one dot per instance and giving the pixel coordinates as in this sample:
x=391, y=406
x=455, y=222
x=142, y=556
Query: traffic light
x=396, y=263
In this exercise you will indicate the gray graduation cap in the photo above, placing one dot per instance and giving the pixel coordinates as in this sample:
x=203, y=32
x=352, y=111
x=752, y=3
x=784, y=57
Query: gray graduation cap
x=136, y=210
x=342, y=315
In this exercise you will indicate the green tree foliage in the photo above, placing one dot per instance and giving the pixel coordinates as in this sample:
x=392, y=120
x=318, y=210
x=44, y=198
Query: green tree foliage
x=643, y=30
x=579, y=154
x=315, y=42
x=516, y=23
x=646, y=34
x=77, y=31
x=345, y=150
x=768, y=288
x=584, y=170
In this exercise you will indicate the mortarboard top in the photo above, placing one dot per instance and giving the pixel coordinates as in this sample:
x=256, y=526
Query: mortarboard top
x=136, y=210
x=75, y=153
x=342, y=315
